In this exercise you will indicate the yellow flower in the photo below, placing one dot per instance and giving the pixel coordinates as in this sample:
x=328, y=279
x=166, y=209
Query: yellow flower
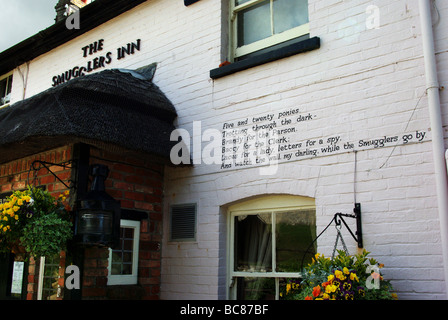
x=67, y=192
x=27, y=198
x=20, y=202
x=5, y=229
x=330, y=288
x=330, y=278
x=288, y=288
x=1, y=206
x=5, y=218
x=346, y=270
x=353, y=276
x=339, y=275
x=15, y=208
x=16, y=217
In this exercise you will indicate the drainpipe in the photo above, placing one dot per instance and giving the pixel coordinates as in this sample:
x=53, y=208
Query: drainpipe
x=432, y=90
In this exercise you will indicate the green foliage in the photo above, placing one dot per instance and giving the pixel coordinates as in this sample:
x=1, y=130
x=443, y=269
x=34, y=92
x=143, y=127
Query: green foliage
x=33, y=219
x=46, y=235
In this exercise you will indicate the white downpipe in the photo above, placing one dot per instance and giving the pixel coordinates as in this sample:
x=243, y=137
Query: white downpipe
x=432, y=89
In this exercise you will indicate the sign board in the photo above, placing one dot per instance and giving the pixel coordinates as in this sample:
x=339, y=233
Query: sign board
x=17, y=277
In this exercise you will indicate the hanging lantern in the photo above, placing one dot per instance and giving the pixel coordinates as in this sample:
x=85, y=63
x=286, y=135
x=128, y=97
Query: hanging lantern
x=98, y=214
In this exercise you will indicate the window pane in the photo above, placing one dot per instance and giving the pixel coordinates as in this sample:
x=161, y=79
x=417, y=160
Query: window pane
x=254, y=23
x=3, y=88
x=289, y=14
x=256, y=289
x=127, y=257
x=122, y=256
x=9, y=86
x=116, y=269
x=128, y=245
x=127, y=268
x=253, y=243
x=50, y=278
x=295, y=231
x=128, y=233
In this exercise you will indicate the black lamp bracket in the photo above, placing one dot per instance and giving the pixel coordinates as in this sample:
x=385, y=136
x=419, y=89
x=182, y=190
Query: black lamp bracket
x=36, y=165
x=339, y=219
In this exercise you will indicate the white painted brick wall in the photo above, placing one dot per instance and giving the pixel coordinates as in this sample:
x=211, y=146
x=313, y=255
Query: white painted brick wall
x=362, y=84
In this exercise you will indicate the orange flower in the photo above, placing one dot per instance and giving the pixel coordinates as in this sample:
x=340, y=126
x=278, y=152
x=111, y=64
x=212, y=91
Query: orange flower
x=316, y=291
x=308, y=298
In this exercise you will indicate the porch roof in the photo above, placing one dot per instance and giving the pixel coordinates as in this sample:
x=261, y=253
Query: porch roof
x=119, y=109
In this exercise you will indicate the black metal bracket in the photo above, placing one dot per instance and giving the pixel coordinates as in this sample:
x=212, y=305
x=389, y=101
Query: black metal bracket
x=338, y=218
x=47, y=165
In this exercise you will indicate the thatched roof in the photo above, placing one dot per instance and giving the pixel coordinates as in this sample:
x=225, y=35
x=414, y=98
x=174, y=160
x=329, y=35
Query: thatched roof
x=114, y=108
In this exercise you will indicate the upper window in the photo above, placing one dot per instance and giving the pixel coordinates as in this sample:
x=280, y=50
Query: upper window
x=5, y=90
x=261, y=24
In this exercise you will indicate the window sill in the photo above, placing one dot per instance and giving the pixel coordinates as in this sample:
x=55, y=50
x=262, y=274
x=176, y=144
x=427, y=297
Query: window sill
x=299, y=47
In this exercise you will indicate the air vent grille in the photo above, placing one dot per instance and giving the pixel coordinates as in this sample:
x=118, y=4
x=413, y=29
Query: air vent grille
x=183, y=222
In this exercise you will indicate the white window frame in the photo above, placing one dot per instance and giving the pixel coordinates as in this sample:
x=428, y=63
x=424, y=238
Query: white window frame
x=267, y=204
x=131, y=278
x=40, y=284
x=274, y=39
x=6, y=76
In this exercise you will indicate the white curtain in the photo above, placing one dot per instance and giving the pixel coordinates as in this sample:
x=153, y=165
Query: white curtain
x=255, y=244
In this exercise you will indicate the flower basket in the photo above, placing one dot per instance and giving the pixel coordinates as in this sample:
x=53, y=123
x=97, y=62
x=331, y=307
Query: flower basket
x=343, y=278
x=34, y=222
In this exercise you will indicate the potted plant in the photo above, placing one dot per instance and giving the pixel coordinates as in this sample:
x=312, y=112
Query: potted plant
x=343, y=278
x=34, y=222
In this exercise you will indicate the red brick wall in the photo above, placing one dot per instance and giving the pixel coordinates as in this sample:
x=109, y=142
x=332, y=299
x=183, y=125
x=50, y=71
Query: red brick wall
x=137, y=183
x=16, y=175
x=33, y=276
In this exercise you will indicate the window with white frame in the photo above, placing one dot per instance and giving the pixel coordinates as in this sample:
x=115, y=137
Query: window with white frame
x=268, y=240
x=48, y=285
x=123, y=260
x=5, y=89
x=260, y=24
